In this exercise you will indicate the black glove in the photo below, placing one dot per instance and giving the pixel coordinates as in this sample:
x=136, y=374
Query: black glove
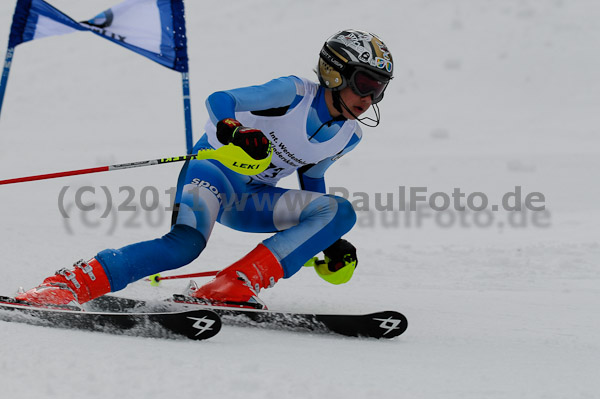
x=341, y=253
x=253, y=141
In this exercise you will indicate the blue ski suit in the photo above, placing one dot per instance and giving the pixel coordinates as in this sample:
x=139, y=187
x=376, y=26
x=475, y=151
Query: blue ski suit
x=292, y=113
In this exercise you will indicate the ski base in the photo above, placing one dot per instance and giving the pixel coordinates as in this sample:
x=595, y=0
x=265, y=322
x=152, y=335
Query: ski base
x=197, y=324
x=385, y=324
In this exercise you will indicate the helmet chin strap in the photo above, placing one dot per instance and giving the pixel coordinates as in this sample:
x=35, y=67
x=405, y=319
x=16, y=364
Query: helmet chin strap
x=338, y=103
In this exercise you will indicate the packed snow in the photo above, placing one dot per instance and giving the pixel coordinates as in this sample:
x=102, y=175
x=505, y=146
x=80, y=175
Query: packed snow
x=489, y=97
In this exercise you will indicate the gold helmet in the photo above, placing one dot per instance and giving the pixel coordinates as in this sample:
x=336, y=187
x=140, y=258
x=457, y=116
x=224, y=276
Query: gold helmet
x=356, y=59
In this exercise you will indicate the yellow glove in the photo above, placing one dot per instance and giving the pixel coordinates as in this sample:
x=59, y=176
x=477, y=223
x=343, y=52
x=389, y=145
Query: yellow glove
x=339, y=264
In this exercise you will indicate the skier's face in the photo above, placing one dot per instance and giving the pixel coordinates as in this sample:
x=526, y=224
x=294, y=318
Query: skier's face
x=357, y=104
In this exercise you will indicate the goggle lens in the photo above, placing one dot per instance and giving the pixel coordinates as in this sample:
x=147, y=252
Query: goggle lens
x=365, y=84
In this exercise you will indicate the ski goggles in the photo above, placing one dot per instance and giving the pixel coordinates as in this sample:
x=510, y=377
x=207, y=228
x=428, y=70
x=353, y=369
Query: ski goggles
x=365, y=84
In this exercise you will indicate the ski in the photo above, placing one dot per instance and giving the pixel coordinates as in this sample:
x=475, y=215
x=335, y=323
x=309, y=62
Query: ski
x=384, y=324
x=197, y=324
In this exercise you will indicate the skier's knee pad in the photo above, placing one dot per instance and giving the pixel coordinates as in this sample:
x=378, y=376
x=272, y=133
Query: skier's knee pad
x=336, y=213
x=345, y=217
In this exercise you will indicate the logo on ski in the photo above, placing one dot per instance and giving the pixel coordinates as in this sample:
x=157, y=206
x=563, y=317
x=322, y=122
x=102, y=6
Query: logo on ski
x=390, y=324
x=202, y=324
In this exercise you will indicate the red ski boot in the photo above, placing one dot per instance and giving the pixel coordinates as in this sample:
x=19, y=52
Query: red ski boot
x=239, y=284
x=74, y=287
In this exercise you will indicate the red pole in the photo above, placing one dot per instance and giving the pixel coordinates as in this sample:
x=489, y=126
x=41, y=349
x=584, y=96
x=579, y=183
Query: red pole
x=230, y=155
x=55, y=175
x=192, y=275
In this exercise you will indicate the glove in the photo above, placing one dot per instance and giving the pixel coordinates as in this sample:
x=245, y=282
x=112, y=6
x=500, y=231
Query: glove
x=253, y=141
x=339, y=264
x=340, y=254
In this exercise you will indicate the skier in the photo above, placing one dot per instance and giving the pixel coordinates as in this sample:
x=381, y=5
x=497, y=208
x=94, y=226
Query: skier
x=307, y=126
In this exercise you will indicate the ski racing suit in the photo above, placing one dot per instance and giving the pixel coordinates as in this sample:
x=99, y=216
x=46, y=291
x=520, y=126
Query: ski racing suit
x=293, y=115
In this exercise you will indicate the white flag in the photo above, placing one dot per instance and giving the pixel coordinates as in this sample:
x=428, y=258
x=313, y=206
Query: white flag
x=152, y=28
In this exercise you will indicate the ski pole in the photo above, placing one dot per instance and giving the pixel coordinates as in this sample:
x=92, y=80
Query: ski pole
x=156, y=278
x=229, y=155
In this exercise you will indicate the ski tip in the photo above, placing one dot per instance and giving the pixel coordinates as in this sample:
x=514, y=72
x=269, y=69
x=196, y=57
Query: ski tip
x=387, y=324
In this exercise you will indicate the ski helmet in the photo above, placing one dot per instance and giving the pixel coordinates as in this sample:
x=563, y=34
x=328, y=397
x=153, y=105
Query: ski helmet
x=356, y=59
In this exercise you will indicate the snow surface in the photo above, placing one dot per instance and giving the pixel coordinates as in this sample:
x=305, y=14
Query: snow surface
x=488, y=95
